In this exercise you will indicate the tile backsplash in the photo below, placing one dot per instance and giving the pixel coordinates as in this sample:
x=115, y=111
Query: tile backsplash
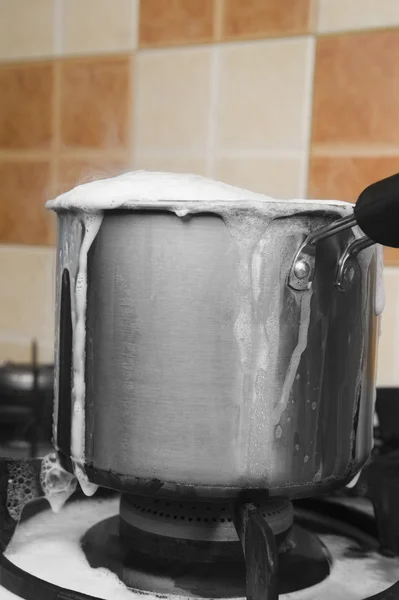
x=293, y=98
x=258, y=19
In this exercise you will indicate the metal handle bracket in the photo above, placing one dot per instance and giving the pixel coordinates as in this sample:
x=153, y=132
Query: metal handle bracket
x=302, y=271
x=347, y=264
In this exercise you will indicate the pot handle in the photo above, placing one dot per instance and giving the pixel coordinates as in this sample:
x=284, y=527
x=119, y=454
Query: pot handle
x=376, y=213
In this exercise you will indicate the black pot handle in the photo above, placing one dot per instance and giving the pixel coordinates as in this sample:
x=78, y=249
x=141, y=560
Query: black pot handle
x=377, y=211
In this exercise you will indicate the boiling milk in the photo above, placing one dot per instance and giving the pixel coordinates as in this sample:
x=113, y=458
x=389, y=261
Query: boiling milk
x=248, y=217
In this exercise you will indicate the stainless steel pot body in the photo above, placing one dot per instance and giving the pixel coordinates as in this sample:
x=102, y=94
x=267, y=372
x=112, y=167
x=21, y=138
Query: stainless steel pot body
x=193, y=386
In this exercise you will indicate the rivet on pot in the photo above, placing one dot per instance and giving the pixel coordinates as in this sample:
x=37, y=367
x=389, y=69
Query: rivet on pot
x=301, y=269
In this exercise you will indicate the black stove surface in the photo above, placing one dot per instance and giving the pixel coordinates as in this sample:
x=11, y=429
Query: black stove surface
x=328, y=532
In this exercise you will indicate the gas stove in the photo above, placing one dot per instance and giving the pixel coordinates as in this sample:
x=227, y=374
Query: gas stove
x=215, y=362
x=344, y=545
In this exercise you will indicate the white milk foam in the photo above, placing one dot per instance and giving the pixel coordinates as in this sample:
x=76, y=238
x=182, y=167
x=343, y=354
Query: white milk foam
x=57, y=484
x=48, y=546
x=131, y=190
x=248, y=217
x=92, y=223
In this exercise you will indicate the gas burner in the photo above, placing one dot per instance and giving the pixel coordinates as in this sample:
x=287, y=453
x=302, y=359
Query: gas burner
x=329, y=552
x=193, y=549
x=194, y=531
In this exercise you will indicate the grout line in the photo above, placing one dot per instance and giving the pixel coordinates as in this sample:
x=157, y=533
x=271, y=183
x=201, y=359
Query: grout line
x=57, y=27
x=359, y=31
x=25, y=248
x=307, y=117
x=313, y=19
x=213, y=114
x=26, y=155
x=221, y=44
x=256, y=39
x=135, y=22
x=236, y=153
x=91, y=154
x=355, y=150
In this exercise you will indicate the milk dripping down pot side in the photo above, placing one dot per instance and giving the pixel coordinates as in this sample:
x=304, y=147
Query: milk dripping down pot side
x=205, y=350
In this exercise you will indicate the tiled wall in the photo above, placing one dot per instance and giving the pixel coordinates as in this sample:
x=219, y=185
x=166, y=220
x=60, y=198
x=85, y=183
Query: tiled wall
x=293, y=98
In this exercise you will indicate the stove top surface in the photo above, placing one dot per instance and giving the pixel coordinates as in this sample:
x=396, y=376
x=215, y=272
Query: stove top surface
x=48, y=546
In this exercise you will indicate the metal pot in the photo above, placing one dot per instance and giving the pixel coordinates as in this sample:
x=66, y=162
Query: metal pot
x=223, y=350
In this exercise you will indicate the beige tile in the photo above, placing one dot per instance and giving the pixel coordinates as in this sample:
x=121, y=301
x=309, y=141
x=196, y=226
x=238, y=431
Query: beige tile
x=265, y=90
x=279, y=178
x=388, y=351
x=26, y=28
x=172, y=99
x=341, y=15
x=91, y=26
x=27, y=292
x=19, y=350
x=173, y=164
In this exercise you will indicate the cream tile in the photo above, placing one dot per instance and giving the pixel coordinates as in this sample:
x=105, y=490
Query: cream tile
x=19, y=350
x=172, y=99
x=341, y=15
x=388, y=351
x=279, y=178
x=173, y=164
x=26, y=28
x=27, y=292
x=91, y=26
x=265, y=90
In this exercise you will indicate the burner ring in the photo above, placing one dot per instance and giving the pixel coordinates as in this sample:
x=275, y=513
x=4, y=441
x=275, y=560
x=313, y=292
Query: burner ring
x=199, y=521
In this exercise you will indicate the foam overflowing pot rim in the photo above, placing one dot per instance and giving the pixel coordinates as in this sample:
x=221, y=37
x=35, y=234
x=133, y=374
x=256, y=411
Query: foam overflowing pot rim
x=151, y=189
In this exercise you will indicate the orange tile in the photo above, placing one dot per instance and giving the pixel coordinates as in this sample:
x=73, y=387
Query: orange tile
x=391, y=257
x=169, y=22
x=26, y=105
x=95, y=102
x=23, y=191
x=262, y=18
x=75, y=172
x=357, y=89
x=344, y=178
